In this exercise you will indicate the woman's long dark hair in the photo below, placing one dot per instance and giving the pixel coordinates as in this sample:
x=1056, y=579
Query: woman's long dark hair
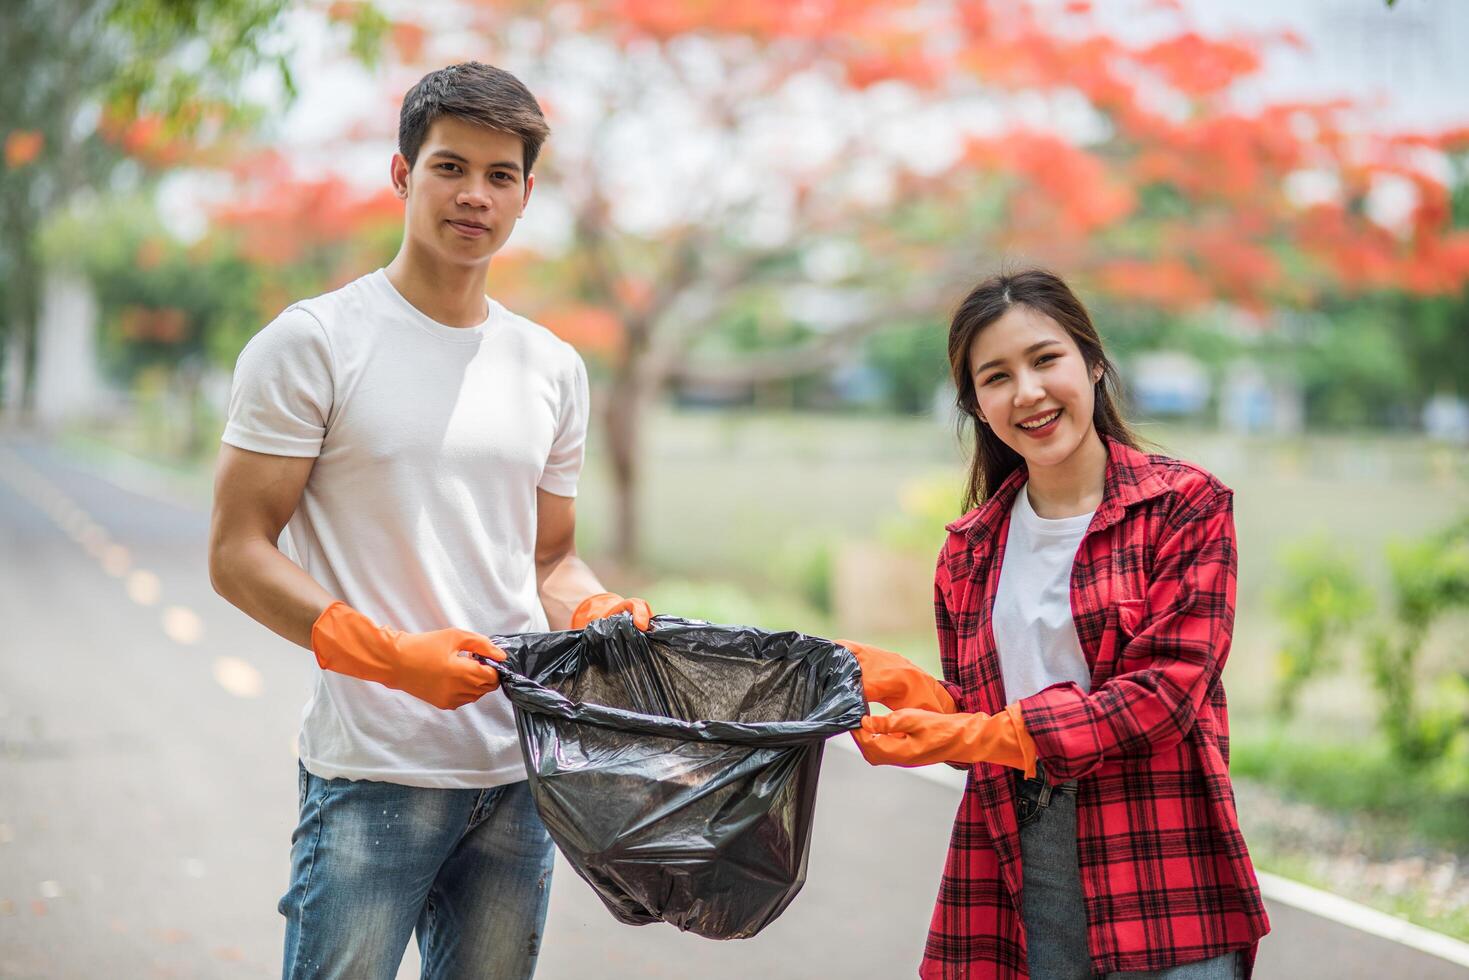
x=1045, y=293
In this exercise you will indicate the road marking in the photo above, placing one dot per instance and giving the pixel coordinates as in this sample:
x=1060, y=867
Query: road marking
x=182, y=625
x=238, y=677
x=1322, y=904
x=95, y=539
x=116, y=561
x=143, y=587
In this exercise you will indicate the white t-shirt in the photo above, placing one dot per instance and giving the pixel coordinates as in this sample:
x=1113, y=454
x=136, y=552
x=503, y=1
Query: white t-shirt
x=420, y=512
x=1032, y=617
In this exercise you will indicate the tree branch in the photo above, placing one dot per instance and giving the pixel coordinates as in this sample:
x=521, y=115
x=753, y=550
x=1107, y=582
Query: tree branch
x=820, y=353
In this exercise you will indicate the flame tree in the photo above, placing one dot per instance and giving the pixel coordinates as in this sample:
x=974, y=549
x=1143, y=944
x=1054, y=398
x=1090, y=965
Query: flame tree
x=852, y=164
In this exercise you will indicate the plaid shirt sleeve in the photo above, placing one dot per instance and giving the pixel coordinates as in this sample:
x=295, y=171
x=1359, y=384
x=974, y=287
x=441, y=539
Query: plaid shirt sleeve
x=947, y=634
x=1166, y=671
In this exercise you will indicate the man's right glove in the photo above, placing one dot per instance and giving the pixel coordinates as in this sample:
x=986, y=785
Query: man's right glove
x=888, y=678
x=428, y=666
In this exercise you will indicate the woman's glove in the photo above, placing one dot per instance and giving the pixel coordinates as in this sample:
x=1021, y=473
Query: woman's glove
x=888, y=678
x=914, y=737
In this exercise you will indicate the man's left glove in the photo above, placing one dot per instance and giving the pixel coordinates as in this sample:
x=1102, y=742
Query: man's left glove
x=605, y=604
x=914, y=737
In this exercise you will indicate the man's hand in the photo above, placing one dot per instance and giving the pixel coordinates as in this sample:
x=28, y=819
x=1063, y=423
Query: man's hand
x=428, y=666
x=889, y=678
x=605, y=604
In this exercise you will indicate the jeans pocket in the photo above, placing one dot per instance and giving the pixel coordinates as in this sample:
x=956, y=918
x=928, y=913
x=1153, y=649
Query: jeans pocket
x=1032, y=796
x=302, y=778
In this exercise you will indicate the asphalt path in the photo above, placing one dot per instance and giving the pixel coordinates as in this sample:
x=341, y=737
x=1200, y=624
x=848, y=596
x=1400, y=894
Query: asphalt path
x=148, y=785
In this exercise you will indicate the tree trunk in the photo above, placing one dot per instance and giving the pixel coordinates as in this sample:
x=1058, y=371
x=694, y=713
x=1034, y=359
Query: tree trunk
x=626, y=402
x=23, y=312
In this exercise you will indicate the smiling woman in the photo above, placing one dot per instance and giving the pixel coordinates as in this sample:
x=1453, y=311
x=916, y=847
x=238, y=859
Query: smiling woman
x=1085, y=607
x=1031, y=372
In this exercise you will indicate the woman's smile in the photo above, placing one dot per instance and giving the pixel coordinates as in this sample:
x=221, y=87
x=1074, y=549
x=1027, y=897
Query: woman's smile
x=1040, y=426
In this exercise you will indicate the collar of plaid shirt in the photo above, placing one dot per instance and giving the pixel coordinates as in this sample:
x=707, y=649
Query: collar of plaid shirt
x=1164, y=868
x=1131, y=478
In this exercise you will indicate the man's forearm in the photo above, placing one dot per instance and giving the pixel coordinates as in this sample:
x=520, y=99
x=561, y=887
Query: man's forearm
x=269, y=588
x=563, y=584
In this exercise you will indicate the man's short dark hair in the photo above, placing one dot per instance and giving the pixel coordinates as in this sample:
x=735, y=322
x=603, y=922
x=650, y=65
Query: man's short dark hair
x=476, y=93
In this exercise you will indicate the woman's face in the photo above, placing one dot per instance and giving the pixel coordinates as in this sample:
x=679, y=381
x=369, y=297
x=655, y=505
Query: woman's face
x=1033, y=386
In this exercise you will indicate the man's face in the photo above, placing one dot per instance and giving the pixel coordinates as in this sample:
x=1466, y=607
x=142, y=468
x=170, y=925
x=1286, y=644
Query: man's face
x=465, y=192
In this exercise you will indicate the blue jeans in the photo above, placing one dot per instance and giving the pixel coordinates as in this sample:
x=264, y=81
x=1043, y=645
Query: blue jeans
x=470, y=869
x=1052, y=904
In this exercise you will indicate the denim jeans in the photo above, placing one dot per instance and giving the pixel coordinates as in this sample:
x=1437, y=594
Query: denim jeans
x=469, y=869
x=1052, y=904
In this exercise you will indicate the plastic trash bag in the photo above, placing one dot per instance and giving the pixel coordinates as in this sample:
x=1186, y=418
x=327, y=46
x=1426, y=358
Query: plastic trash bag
x=676, y=769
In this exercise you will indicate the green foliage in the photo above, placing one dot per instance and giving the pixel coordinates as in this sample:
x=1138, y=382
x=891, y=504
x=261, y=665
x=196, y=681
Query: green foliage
x=1363, y=777
x=1430, y=579
x=913, y=361
x=1424, y=721
x=1356, y=369
x=140, y=274
x=80, y=65
x=925, y=506
x=1321, y=598
x=802, y=564
x=170, y=56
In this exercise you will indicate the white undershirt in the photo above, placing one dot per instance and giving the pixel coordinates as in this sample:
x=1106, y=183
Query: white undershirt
x=1032, y=618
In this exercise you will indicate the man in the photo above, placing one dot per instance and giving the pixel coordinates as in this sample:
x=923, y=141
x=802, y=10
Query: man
x=423, y=444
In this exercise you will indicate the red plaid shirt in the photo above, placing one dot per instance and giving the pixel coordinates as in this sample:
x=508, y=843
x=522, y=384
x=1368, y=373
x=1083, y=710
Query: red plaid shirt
x=1164, y=869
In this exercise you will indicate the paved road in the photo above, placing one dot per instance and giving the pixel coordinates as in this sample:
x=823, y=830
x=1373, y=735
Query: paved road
x=147, y=785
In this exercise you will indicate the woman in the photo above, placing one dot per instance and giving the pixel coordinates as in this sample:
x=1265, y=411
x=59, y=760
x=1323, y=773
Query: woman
x=1084, y=609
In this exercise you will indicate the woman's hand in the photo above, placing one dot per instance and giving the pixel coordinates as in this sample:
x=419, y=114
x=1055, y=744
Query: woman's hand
x=914, y=737
x=889, y=678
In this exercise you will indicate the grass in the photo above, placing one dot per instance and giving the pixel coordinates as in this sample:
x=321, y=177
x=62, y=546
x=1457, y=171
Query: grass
x=1395, y=802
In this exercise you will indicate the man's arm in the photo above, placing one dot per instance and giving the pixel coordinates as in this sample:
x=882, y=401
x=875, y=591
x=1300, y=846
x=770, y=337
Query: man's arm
x=563, y=580
x=255, y=494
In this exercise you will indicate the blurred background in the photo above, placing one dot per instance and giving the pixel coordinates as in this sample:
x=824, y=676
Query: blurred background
x=753, y=220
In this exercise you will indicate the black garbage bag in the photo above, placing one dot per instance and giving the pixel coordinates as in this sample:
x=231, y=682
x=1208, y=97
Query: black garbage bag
x=676, y=769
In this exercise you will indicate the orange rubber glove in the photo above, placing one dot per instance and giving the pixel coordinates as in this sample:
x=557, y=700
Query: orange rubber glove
x=890, y=679
x=914, y=737
x=428, y=666
x=605, y=604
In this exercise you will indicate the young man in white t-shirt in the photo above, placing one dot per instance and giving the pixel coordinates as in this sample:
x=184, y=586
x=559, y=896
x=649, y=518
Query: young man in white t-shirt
x=422, y=444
